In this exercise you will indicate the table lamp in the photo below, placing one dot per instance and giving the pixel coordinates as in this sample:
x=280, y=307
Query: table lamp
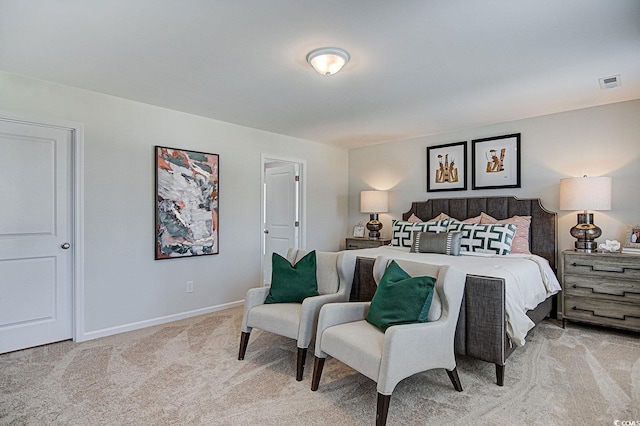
x=585, y=193
x=374, y=202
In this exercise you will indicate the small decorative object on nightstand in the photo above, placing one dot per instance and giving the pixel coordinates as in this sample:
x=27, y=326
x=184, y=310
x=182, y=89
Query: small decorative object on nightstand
x=363, y=243
x=601, y=288
x=632, y=240
x=358, y=230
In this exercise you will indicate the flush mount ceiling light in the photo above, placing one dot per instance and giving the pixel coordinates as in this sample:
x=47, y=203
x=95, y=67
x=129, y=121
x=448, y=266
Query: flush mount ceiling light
x=328, y=60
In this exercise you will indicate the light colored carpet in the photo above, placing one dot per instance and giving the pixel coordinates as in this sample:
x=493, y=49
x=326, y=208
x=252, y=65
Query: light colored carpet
x=187, y=372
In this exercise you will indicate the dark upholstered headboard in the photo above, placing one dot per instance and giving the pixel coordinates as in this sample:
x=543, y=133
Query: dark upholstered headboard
x=542, y=235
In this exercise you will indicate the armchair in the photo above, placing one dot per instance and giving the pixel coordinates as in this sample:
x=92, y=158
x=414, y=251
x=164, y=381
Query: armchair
x=334, y=273
x=403, y=350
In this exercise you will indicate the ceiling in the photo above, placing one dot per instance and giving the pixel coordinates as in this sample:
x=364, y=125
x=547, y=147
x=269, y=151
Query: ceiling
x=417, y=67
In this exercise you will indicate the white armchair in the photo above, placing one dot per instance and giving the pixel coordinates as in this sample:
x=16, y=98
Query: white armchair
x=401, y=351
x=334, y=272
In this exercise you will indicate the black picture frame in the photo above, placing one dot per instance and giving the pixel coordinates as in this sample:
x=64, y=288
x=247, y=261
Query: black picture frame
x=447, y=167
x=495, y=162
x=187, y=191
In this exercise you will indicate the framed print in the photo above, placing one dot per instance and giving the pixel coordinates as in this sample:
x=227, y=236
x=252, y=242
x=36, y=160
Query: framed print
x=446, y=167
x=187, y=204
x=358, y=230
x=496, y=162
x=632, y=237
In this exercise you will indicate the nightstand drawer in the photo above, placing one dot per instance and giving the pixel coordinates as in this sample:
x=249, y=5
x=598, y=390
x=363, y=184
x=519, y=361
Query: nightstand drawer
x=603, y=312
x=363, y=243
x=603, y=265
x=603, y=288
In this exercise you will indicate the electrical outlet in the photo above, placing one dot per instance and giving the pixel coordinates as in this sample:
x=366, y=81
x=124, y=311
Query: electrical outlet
x=189, y=286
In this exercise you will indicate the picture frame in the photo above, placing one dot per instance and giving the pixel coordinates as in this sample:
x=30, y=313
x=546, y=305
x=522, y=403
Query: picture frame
x=358, y=230
x=496, y=162
x=447, y=167
x=186, y=203
x=632, y=237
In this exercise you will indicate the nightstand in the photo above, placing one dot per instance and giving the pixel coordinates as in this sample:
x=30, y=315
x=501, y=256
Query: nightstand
x=601, y=288
x=354, y=243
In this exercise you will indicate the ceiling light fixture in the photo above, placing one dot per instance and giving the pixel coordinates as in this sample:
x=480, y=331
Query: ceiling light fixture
x=328, y=60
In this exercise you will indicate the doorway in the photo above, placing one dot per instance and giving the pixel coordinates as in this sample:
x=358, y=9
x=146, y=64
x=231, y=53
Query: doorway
x=282, y=208
x=40, y=236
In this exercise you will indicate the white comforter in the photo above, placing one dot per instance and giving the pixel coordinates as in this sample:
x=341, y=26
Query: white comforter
x=529, y=279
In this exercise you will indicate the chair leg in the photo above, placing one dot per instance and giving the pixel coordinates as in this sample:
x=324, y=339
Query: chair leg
x=382, y=409
x=318, y=364
x=244, y=341
x=500, y=374
x=302, y=355
x=455, y=380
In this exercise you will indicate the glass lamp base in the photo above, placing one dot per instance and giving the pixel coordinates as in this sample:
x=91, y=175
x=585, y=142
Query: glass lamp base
x=374, y=226
x=586, y=233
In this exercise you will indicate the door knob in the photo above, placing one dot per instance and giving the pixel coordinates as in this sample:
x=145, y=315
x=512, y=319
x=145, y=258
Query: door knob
x=266, y=231
x=65, y=246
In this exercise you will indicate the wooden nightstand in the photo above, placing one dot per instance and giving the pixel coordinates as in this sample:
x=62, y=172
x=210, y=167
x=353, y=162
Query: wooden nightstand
x=354, y=243
x=601, y=288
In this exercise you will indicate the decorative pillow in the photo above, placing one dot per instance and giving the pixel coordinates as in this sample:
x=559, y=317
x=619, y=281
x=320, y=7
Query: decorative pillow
x=400, y=298
x=292, y=283
x=495, y=239
x=402, y=230
x=443, y=243
x=521, y=240
x=476, y=219
x=414, y=219
x=454, y=224
x=441, y=216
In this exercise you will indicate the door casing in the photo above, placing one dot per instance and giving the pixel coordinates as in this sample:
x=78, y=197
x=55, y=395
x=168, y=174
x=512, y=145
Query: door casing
x=77, y=207
x=266, y=159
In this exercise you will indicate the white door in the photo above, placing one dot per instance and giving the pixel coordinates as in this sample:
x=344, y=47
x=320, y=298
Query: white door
x=35, y=235
x=282, y=206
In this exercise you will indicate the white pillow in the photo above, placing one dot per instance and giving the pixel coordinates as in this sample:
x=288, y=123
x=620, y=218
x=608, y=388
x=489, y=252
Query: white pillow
x=521, y=240
x=402, y=230
x=494, y=239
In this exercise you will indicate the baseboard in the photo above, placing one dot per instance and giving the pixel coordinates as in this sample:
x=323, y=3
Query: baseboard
x=155, y=321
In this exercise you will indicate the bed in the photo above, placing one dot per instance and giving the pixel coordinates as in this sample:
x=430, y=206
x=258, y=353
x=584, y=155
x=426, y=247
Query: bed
x=487, y=326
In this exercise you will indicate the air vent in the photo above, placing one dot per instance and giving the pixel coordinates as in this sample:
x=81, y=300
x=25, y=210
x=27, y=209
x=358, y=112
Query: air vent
x=610, y=82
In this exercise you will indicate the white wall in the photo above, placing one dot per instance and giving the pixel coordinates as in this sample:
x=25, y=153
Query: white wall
x=124, y=286
x=599, y=141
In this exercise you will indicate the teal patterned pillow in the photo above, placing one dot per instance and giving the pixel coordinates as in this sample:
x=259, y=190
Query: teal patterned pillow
x=403, y=230
x=494, y=239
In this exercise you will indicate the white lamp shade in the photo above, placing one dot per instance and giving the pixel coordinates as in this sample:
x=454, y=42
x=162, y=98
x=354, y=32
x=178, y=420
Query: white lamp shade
x=585, y=193
x=374, y=202
x=328, y=60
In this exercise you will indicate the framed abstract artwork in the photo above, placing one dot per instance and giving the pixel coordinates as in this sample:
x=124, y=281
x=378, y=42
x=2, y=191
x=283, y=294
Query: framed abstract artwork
x=446, y=167
x=496, y=162
x=187, y=203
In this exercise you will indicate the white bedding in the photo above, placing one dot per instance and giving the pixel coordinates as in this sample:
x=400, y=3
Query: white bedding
x=529, y=279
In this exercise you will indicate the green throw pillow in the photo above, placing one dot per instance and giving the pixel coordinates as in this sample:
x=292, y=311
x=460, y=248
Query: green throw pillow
x=400, y=298
x=292, y=283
